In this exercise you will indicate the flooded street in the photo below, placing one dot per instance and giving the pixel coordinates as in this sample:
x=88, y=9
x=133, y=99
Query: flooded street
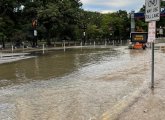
x=80, y=84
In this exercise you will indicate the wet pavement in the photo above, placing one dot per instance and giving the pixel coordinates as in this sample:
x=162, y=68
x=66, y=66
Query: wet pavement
x=150, y=105
x=79, y=84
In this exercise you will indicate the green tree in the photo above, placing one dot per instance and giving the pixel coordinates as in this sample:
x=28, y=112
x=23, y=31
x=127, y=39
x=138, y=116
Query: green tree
x=6, y=19
x=116, y=24
x=59, y=15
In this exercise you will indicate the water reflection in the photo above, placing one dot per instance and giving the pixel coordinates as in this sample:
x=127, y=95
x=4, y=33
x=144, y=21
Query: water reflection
x=51, y=65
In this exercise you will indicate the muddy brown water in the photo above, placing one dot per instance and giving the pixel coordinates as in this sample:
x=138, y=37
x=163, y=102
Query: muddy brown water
x=79, y=84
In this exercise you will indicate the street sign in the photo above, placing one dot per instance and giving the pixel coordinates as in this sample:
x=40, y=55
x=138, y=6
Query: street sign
x=84, y=33
x=161, y=30
x=152, y=11
x=35, y=32
x=152, y=31
x=140, y=37
x=152, y=14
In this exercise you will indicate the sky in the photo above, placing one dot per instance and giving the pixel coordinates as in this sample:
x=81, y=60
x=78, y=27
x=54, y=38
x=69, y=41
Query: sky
x=106, y=6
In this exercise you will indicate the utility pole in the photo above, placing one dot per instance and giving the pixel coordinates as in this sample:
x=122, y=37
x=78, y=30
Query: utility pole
x=132, y=21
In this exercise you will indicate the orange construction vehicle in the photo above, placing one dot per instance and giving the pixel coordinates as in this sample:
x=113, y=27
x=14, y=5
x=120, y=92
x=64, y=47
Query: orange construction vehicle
x=138, y=40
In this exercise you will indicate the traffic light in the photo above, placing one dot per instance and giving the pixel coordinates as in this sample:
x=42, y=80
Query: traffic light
x=34, y=23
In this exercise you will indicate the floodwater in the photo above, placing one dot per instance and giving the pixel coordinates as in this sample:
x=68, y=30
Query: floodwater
x=79, y=84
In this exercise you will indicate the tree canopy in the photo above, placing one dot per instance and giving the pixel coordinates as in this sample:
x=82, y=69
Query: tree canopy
x=58, y=20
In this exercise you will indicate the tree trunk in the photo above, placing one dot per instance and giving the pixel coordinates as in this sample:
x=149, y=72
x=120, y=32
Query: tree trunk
x=3, y=42
x=33, y=42
x=48, y=38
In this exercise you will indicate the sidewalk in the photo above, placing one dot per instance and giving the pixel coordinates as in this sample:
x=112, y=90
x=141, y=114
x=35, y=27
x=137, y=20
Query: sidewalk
x=30, y=49
x=150, y=105
x=12, y=57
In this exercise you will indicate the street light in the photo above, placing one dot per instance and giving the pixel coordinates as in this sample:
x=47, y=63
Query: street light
x=132, y=21
x=18, y=10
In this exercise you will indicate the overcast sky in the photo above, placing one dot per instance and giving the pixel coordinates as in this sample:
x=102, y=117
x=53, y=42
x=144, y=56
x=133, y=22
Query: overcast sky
x=112, y=5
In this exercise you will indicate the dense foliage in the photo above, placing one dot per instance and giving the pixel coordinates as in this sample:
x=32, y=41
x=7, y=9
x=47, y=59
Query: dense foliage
x=57, y=20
